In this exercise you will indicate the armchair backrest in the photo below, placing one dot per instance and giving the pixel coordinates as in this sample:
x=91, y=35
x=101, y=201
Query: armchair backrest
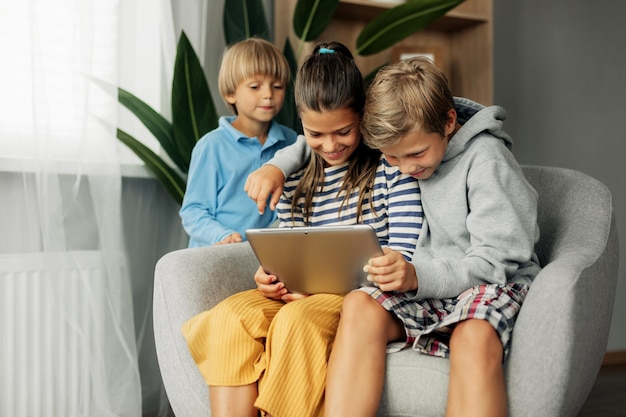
x=573, y=208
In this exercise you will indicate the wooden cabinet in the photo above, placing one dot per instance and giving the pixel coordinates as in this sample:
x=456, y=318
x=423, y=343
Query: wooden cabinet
x=461, y=41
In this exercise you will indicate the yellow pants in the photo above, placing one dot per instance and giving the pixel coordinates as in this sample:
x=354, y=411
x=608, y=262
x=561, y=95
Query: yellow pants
x=249, y=338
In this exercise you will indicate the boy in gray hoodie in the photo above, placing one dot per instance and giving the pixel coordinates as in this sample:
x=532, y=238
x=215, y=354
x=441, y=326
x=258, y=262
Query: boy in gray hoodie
x=474, y=259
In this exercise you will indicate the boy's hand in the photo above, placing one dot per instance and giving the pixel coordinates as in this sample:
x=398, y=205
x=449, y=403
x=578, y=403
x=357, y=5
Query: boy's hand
x=265, y=181
x=269, y=285
x=232, y=238
x=391, y=272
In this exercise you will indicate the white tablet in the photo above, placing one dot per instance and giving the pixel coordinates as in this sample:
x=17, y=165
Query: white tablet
x=312, y=260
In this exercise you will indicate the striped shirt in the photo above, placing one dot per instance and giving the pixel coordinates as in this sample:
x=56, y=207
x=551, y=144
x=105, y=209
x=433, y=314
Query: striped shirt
x=397, y=216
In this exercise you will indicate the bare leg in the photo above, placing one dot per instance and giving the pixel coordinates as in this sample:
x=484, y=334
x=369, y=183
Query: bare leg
x=233, y=401
x=356, y=368
x=477, y=385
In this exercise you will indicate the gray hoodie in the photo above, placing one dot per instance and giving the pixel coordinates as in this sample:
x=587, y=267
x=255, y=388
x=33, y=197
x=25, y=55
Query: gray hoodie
x=480, y=212
x=480, y=223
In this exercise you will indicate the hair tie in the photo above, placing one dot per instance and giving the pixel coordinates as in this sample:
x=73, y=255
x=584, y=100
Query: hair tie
x=326, y=51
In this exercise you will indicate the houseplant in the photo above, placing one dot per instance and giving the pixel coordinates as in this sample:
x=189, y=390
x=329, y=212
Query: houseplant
x=193, y=109
x=193, y=114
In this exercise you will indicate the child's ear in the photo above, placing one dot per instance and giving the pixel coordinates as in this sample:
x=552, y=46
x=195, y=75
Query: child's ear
x=230, y=98
x=451, y=123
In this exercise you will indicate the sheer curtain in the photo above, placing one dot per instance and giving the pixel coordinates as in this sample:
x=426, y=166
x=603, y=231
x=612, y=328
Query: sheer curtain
x=81, y=222
x=150, y=31
x=66, y=309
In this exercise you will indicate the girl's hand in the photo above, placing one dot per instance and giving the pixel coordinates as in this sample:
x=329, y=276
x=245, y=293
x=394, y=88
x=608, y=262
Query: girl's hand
x=265, y=181
x=391, y=272
x=293, y=296
x=269, y=285
x=232, y=238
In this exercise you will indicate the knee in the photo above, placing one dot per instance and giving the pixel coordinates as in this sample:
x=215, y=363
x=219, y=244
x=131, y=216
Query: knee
x=226, y=311
x=242, y=309
x=309, y=314
x=477, y=338
x=223, y=312
x=292, y=315
x=302, y=321
x=359, y=308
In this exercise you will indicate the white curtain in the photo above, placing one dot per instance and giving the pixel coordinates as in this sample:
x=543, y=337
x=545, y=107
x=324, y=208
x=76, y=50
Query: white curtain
x=67, y=321
x=80, y=230
x=150, y=31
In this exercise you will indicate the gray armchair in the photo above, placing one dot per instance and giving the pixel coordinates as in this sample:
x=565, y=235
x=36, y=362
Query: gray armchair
x=559, y=340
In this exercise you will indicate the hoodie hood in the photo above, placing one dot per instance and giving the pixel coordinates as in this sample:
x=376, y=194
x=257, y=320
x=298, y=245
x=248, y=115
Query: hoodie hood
x=476, y=119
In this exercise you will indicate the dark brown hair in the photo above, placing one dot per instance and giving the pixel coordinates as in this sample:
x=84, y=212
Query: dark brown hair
x=328, y=80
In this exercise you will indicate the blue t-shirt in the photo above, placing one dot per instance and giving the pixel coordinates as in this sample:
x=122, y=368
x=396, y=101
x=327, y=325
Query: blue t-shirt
x=215, y=204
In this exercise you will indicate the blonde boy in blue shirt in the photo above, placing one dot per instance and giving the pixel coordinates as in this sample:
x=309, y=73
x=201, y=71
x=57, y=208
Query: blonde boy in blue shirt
x=252, y=81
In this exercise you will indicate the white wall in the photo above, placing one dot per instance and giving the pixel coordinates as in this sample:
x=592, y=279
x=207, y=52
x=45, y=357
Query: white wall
x=560, y=71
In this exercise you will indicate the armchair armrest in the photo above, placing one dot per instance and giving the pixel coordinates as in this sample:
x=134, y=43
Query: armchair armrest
x=558, y=341
x=187, y=282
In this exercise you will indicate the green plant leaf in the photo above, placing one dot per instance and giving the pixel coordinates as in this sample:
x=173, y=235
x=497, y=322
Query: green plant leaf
x=311, y=17
x=244, y=19
x=193, y=111
x=400, y=22
x=171, y=179
x=288, y=115
x=154, y=122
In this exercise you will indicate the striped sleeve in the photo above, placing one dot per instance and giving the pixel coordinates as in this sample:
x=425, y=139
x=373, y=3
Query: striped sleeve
x=395, y=211
x=404, y=209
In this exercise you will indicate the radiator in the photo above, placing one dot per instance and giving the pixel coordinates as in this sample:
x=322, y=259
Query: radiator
x=50, y=306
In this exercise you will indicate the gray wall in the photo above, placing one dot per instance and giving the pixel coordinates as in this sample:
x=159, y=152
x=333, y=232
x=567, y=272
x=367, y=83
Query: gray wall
x=560, y=71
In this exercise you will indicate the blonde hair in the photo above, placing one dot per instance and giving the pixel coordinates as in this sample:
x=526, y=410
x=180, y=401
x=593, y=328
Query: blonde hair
x=329, y=80
x=247, y=58
x=410, y=95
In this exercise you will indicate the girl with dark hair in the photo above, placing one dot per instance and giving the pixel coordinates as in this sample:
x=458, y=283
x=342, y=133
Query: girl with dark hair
x=267, y=349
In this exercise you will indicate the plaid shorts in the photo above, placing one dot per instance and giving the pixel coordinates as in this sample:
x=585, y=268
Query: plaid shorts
x=429, y=322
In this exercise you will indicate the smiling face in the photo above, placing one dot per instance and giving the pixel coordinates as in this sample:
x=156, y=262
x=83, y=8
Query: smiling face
x=333, y=134
x=419, y=154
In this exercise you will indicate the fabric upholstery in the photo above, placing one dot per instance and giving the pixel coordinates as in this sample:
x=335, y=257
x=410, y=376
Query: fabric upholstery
x=559, y=340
